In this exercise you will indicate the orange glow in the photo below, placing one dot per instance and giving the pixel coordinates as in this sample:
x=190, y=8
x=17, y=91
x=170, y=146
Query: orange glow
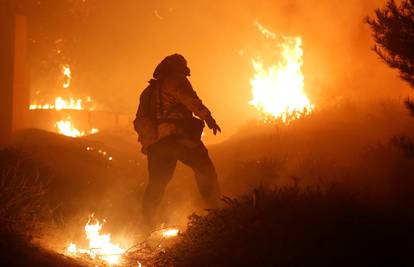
x=278, y=89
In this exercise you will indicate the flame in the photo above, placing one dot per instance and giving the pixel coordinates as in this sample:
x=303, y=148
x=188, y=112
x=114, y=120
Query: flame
x=68, y=76
x=67, y=128
x=61, y=104
x=100, y=245
x=266, y=32
x=278, y=89
x=72, y=248
x=170, y=233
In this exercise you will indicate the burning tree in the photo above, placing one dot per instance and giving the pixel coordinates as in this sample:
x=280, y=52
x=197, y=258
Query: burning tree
x=393, y=32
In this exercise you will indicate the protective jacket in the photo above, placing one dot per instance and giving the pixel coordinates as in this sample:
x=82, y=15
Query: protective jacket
x=166, y=107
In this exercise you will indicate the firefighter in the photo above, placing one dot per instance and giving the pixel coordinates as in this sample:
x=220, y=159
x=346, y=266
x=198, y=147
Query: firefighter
x=169, y=132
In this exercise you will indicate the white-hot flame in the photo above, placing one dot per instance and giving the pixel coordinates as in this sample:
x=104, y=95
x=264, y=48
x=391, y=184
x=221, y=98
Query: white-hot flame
x=72, y=248
x=170, y=233
x=61, y=104
x=278, y=89
x=100, y=245
x=66, y=127
x=68, y=76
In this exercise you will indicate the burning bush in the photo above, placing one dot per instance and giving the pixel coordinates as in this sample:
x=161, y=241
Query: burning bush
x=290, y=227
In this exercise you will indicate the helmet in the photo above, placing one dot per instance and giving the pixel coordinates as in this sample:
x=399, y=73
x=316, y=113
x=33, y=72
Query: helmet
x=172, y=65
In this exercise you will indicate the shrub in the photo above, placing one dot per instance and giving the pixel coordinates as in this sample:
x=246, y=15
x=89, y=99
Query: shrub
x=293, y=227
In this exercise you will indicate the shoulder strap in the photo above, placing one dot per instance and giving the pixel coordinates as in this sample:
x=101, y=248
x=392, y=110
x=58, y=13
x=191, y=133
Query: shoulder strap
x=146, y=104
x=160, y=100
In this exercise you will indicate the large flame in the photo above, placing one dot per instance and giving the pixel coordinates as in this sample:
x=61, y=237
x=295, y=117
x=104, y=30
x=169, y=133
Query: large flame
x=278, y=89
x=100, y=245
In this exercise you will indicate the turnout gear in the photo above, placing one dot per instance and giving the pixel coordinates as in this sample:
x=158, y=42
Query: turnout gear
x=162, y=160
x=212, y=124
x=172, y=65
x=145, y=123
x=168, y=132
x=167, y=106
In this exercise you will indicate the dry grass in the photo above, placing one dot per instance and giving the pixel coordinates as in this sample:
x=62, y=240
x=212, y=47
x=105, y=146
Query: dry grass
x=22, y=194
x=24, y=211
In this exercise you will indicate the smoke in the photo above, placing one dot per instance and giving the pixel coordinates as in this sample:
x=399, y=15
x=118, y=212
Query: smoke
x=113, y=48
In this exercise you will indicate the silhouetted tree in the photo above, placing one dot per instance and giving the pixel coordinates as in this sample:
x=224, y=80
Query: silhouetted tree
x=393, y=32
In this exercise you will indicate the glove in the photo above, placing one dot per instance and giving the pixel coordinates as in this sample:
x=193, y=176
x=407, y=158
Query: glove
x=212, y=124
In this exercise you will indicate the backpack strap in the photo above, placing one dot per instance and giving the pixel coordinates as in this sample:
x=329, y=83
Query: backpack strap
x=160, y=100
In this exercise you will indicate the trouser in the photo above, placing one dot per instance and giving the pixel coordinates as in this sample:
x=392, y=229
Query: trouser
x=162, y=160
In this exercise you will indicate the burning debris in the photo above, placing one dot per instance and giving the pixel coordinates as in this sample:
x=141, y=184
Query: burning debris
x=278, y=89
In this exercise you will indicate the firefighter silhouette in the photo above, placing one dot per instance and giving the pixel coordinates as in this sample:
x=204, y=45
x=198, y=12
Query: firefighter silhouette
x=169, y=132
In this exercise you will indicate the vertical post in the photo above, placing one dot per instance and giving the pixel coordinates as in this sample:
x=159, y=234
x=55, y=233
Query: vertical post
x=21, y=91
x=14, y=89
x=6, y=72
